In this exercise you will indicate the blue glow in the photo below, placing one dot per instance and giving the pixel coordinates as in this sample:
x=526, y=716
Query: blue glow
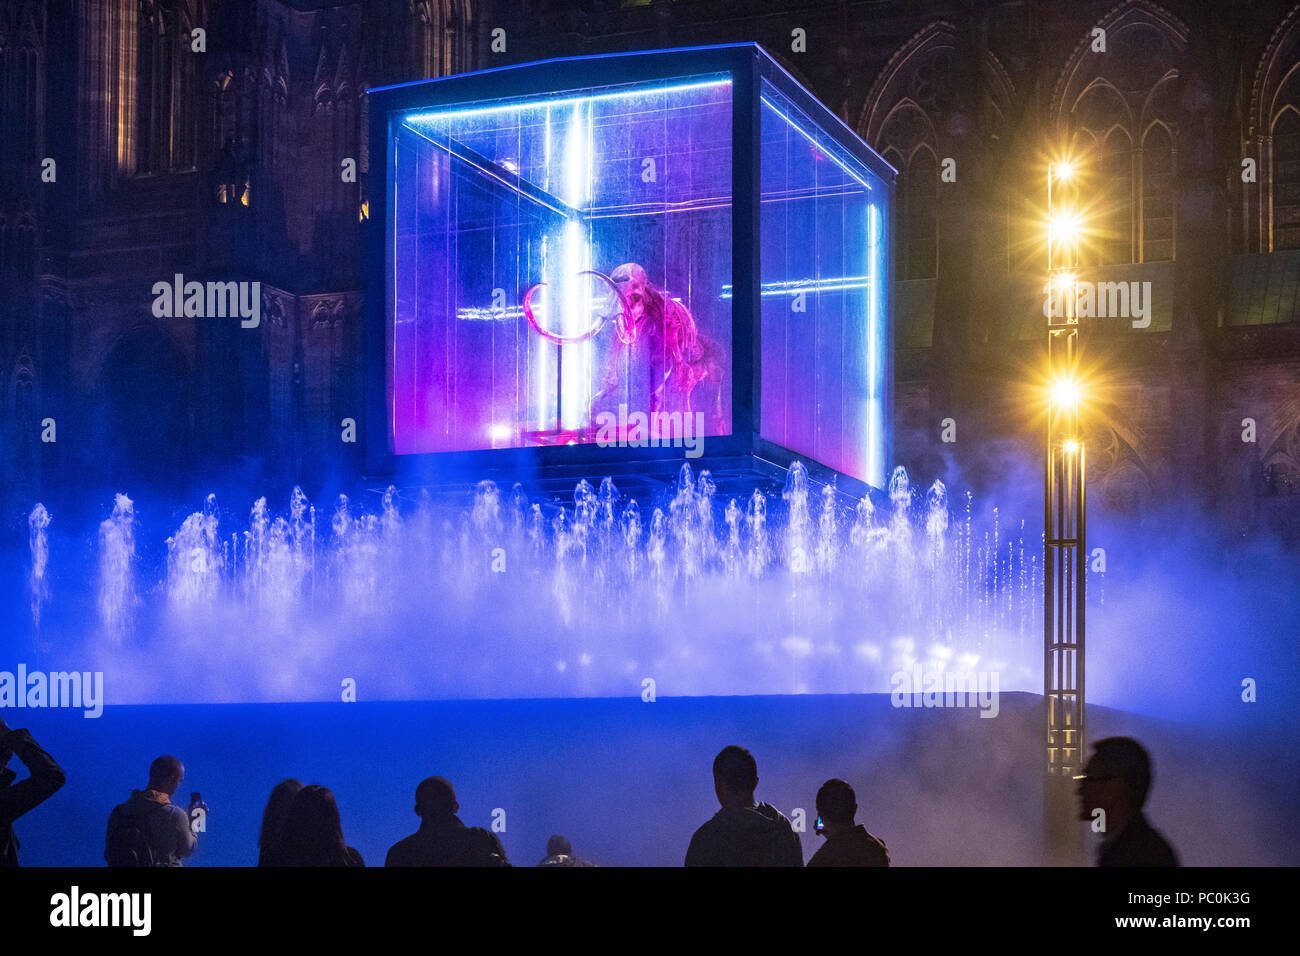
x=795, y=286
x=592, y=58
x=473, y=314
x=548, y=102
x=875, y=347
x=821, y=147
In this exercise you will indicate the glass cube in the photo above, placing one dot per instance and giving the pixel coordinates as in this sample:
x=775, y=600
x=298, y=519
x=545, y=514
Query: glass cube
x=598, y=258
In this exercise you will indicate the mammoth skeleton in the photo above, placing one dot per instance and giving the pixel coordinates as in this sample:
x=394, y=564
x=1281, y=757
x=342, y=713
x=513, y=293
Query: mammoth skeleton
x=657, y=346
x=677, y=358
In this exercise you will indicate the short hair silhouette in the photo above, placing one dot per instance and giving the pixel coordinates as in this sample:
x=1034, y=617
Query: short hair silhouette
x=559, y=846
x=736, y=767
x=836, y=801
x=435, y=795
x=163, y=770
x=1125, y=758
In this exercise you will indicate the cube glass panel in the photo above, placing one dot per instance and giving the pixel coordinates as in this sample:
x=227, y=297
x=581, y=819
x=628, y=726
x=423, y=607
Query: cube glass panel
x=823, y=285
x=558, y=268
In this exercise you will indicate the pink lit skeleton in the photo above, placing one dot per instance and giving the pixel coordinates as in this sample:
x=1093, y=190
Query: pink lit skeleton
x=679, y=359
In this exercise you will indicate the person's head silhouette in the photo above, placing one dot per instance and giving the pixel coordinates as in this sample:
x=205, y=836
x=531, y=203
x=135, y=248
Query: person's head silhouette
x=313, y=833
x=837, y=805
x=735, y=777
x=165, y=775
x=1116, y=779
x=435, y=798
x=278, y=807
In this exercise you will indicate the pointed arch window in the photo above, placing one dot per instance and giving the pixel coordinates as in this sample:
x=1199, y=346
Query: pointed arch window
x=1286, y=180
x=164, y=120
x=1157, y=195
x=915, y=213
x=1115, y=218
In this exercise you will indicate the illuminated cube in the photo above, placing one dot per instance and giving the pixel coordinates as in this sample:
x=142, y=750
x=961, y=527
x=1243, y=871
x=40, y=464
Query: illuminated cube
x=627, y=259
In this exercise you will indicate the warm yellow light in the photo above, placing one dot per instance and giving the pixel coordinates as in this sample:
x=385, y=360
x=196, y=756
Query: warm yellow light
x=1064, y=228
x=1065, y=281
x=1064, y=170
x=1071, y=446
x=364, y=212
x=1065, y=392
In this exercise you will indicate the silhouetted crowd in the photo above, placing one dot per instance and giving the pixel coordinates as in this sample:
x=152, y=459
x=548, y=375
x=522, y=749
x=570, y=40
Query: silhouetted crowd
x=301, y=824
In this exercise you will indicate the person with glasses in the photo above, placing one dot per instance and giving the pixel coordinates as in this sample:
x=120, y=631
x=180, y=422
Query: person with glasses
x=1112, y=791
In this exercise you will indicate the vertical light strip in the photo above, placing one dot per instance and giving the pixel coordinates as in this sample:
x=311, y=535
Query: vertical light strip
x=545, y=381
x=875, y=386
x=577, y=161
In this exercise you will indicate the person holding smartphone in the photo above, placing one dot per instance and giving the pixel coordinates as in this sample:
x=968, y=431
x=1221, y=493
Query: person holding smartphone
x=45, y=777
x=847, y=843
x=148, y=829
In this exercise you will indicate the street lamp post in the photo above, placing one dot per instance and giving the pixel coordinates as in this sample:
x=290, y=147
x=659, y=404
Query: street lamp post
x=1064, y=557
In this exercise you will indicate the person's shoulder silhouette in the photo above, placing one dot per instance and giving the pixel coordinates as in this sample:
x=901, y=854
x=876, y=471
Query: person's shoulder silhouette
x=847, y=843
x=1138, y=844
x=442, y=839
x=743, y=832
x=147, y=829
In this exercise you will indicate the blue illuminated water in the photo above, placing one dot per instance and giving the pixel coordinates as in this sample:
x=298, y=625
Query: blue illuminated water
x=802, y=591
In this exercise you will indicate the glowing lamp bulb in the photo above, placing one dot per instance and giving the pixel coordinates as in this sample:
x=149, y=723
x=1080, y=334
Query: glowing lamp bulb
x=1065, y=392
x=1064, y=171
x=1064, y=228
x=1071, y=446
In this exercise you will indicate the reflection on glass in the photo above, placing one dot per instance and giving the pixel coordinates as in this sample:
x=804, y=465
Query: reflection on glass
x=822, y=294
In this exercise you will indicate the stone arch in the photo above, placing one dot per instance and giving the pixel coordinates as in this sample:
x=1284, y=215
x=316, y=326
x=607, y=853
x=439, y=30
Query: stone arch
x=1151, y=28
x=1127, y=489
x=141, y=396
x=1129, y=89
x=1278, y=66
x=1114, y=441
x=1284, y=179
x=902, y=79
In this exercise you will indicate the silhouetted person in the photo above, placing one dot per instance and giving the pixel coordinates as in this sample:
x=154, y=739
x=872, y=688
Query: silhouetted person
x=312, y=834
x=442, y=839
x=846, y=844
x=44, y=778
x=742, y=833
x=559, y=852
x=148, y=830
x=1116, y=779
x=273, y=817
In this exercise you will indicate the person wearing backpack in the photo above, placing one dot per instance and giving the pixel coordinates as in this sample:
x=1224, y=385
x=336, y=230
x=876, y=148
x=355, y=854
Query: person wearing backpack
x=148, y=830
